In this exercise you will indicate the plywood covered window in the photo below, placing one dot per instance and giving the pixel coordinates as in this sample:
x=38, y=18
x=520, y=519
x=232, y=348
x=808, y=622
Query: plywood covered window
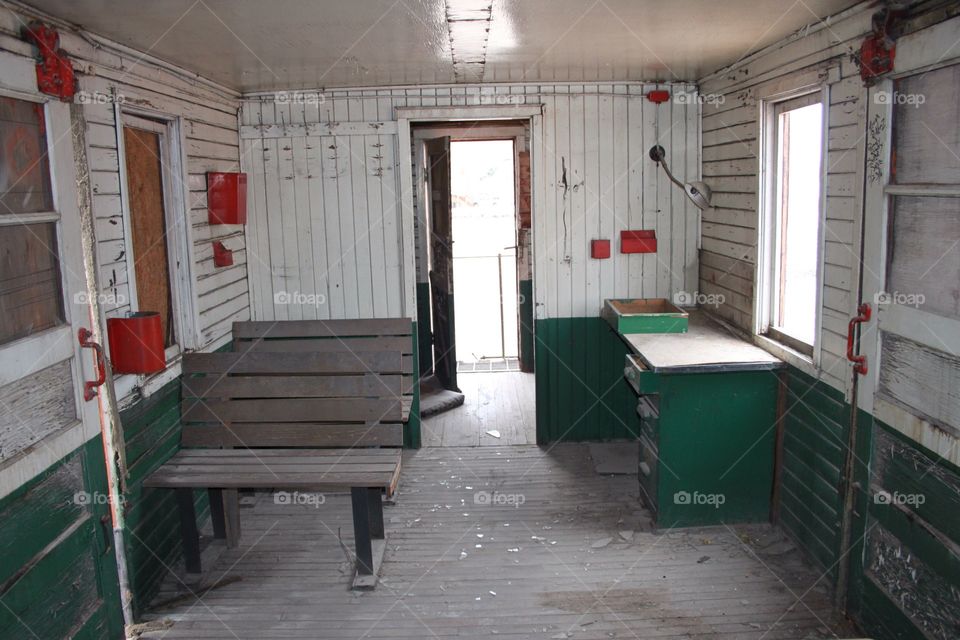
x=155, y=227
x=31, y=298
x=792, y=221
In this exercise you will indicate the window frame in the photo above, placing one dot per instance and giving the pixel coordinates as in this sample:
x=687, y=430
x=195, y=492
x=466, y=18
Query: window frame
x=28, y=355
x=770, y=109
x=180, y=256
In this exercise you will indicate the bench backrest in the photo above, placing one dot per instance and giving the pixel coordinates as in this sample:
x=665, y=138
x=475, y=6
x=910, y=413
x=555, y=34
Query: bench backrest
x=301, y=383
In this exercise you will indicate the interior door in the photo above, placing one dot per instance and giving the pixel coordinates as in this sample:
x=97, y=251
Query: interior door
x=43, y=294
x=912, y=249
x=440, y=224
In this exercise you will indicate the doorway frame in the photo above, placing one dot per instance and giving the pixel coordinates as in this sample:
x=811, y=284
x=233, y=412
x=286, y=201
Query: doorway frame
x=406, y=118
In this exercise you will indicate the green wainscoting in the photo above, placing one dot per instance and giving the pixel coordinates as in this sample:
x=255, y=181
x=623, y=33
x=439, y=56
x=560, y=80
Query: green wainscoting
x=151, y=430
x=907, y=575
x=411, y=430
x=581, y=392
x=424, y=339
x=816, y=424
x=58, y=575
x=904, y=566
x=526, y=326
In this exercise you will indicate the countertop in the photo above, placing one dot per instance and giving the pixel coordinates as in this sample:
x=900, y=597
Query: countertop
x=707, y=346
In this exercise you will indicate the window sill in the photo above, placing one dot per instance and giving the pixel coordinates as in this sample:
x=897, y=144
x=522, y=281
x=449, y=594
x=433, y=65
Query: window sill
x=791, y=356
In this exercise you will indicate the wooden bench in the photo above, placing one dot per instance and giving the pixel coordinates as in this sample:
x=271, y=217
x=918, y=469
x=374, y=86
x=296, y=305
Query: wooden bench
x=314, y=405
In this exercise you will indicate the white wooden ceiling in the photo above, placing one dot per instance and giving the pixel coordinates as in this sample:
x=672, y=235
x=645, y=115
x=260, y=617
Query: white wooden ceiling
x=257, y=45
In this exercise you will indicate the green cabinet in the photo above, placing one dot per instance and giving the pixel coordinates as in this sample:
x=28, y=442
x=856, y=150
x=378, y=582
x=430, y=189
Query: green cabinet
x=707, y=436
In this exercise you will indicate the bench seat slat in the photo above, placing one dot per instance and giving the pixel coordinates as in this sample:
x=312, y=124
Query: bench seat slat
x=304, y=434
x=400, y=344
x=362, y=385
x=292, y=410
x=285, y=469
x=315, y=363
x=322, y=328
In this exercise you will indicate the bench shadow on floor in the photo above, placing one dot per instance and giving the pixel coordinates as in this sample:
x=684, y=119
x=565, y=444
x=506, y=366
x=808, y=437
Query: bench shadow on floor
x=514, y=542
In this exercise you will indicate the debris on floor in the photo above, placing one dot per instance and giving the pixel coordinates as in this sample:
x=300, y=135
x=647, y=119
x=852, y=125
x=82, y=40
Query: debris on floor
x=615, y=458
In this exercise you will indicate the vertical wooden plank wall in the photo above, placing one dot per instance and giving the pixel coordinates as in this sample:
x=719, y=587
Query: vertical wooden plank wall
x=337, y=253
x=210, y=142
x=903, y=562
x=61, y=578
x=731, y=151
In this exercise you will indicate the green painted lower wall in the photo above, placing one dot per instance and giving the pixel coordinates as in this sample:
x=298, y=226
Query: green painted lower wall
x=904, y=566
x=151, y=430
x=58, y=576
x=907, y=578
x=581, y=392
x=526, y=326
x=815, y=437
x=424, y=340
x=411, y=430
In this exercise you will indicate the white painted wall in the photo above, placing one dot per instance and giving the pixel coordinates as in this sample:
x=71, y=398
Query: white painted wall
x=325, y=202
x=731, y=151
x=108, y=73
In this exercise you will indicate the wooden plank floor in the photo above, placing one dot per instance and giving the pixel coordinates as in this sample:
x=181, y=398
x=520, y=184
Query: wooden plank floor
x=561, y=552
x=502, y=401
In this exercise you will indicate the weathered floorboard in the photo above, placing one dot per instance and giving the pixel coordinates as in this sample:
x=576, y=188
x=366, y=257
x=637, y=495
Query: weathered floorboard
x=562, y=552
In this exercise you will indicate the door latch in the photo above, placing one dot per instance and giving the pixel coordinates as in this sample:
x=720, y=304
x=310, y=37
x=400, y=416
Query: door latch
x=90, y=388
x=860, y=361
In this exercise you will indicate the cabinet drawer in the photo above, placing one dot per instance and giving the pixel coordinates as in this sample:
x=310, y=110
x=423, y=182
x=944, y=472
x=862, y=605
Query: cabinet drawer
x=648, y=472
x=649, y=417
x=640, y=378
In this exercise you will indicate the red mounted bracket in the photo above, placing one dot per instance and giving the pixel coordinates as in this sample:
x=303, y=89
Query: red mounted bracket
x=222, y=257
x=877, y=51
x=90, y=388
x=54, y=71
x=860, y=361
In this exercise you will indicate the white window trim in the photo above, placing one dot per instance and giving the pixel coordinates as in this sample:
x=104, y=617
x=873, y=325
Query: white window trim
x=180, y=251
x=765, y=224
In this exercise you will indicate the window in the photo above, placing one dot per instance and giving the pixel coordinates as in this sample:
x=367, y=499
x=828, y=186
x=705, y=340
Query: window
x=923, y=261
x=31, y=298
x=790, y=255
x=157, y=235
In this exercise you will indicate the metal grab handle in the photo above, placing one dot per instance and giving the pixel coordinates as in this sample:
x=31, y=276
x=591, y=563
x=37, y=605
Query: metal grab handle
x=860, y=361
x=90, y=388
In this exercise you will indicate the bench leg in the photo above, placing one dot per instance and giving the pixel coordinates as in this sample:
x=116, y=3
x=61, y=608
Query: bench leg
x=231, y=517
x=216, y=513
x=375, y=509
x=362, y=530
x=188, y=529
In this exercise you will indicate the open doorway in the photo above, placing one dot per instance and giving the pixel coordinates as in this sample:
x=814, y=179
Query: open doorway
x=474, y=265
x=484, y=255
